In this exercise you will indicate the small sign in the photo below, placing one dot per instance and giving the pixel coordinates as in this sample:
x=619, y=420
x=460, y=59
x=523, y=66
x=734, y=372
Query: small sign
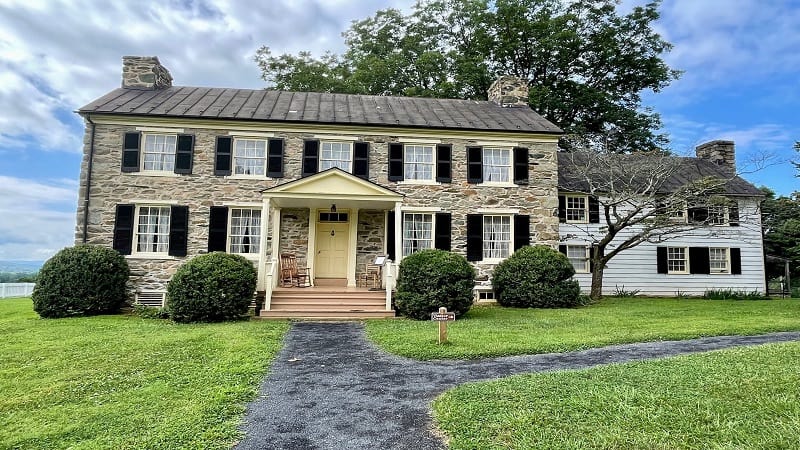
x=443, y=317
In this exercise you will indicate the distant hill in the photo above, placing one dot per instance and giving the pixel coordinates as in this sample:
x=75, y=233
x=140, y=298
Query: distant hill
x=20, y=266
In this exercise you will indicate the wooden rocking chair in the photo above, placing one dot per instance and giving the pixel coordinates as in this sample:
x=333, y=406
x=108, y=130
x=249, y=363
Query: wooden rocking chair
x=291, y=275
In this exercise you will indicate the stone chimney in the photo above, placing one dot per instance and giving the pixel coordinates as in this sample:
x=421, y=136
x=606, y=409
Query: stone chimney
x=508, y=92
x=144, y=72
x=721, y=153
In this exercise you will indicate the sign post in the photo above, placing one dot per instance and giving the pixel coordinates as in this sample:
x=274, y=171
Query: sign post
x=443, y=317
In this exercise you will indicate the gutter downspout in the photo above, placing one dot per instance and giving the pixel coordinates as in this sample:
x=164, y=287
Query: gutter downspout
x=88, y=182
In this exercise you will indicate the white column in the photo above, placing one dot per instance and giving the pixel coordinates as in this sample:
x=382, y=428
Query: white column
x=276, y=233
x=353, y=250
x=311, y=257
x=263, y=256
x=398, y=231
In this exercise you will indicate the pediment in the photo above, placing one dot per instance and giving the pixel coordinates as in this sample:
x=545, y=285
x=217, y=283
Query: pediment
x=335, y=182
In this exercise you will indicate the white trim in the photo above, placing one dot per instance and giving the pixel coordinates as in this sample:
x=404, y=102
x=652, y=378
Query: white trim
x=498, y=184
x=255, y=134
x=151, y=202
x=334, y=138
x=252, y=205
x=687, y=270
x=311, y=252
x=419, y=183
x=163, y=256
x=247, y=177
x=228, y=235
x=421, y=209
x=585, y=208
x=352, y=254
x=426, y=212
x=154, y=173
x=498, y=211
x=160, y=130
x=135, y=232
x=420, y=141
x=495, y=144
x=587, y=256
x=727, y=261
x=510, y=240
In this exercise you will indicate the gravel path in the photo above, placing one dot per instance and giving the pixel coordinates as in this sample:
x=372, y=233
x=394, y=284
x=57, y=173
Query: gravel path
x=329, y=388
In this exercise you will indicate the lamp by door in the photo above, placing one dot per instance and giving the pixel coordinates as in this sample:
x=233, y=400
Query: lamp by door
x=333, y=207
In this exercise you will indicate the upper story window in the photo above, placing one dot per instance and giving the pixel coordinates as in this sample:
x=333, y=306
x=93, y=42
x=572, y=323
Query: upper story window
x=418, y=162
x=249, y=157
x=717, y=215
x=245, y=231
x=336, y=154
x=417, y=232
x=496, y=165
x=152, y=229
x=158, y=152
x=496, y=237
x=576, y=209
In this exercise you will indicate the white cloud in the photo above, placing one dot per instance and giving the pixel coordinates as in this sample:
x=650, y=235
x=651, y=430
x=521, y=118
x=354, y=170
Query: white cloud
x=38, y=217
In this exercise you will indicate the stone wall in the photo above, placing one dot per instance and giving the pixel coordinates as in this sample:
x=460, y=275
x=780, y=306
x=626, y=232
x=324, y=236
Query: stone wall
x=371, y=234
x=144, y=72
x=202, y=189
x=722, y=153
x=508, y=91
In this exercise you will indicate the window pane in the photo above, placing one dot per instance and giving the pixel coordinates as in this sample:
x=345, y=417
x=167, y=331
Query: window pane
x=676, y=259
x=335, y=154
x=576, y=209
x=496, y=237
x=418, y=162
x=718, y=260
x=159, y=152
x=577, y=255
x=249, y=156
x=496, y=164
x=152, y=234
x=417, y=232
x=245, y=230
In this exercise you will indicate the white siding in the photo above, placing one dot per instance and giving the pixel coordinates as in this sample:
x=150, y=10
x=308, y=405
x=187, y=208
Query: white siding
x=636, y=268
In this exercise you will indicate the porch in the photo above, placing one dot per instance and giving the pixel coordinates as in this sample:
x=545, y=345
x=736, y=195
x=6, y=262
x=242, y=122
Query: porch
x=327, y=302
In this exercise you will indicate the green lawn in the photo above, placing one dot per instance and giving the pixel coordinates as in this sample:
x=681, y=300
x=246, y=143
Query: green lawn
x=124, y=382
x=496, y=331
x=738, y=398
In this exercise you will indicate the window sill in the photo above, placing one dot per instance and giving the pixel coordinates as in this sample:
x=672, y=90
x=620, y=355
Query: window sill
x=492, y=260
x=247, y=177
x=248, y=256
x=577, y=222
x=154, y=173
x=419, y=182
x=505, y=184
x=678, y=273
x=162, y=256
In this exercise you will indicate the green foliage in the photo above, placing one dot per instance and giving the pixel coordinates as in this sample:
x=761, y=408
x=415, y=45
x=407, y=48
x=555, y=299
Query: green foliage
x=83, y=280
x=536, y=277
x=585, y=63
x=211, y=288
x=430, y=279
x=730, y=294
x=780, y=221
x=18, y=277
x=151, y=312
x=620, y=291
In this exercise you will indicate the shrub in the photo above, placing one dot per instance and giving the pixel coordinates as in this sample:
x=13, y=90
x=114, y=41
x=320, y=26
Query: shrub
x=536, y=277
x=430, y=279
x=211, y=288
x=150, y=312
x=730, y=294
x=83, y=280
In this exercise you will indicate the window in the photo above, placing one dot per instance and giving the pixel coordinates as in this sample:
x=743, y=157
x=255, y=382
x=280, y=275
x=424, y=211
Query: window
x=676, y=211
x=152, y=229
x=676, y=260
x=418, y=162
x=245, y=234
x=336, y=154
x=496, y=165
x=578, y=255
x=717, y=215
x=718, y=260
x=333, y=217
x=249, y=156
x=576, y=209
x=159, y=152
x=417, y=232
x=496, y=237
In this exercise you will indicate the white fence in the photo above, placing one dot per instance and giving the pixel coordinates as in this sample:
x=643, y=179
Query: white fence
x=16, y=289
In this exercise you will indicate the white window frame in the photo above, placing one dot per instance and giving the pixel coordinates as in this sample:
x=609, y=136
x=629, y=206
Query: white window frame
x=403, y=233
x=413, y=177
x=585, y=208
x=727, y=270
x=144, y=152
x=492, y=260
x=584, y=259
x=685, y=260
x=721, y=212
x=508, y=168
x=137, y=217
x=229, y=244
x=235, y=157
x=678, y=214
x=348, y=145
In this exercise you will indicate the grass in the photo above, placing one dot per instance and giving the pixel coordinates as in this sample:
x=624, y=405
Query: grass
x=495, y=331
x=737, y=398
x=124, y=382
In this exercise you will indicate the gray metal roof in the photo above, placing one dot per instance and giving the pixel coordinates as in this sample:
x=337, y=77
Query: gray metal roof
x=319, y=108
x=688, y=170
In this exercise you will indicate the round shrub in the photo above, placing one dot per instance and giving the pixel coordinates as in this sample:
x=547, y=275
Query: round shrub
x=83, y=280
x=211, y=288
x=536, y=277
x=430, y=279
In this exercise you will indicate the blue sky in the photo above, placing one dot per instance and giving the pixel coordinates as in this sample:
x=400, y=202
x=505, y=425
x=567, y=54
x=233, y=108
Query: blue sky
x=740, y=58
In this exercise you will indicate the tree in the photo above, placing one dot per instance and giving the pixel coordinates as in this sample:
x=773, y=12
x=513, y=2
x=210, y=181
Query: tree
x=640, y=199
x=585, y=63
x=780, y=222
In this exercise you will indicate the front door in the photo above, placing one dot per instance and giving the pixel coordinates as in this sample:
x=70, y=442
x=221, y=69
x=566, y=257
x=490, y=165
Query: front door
x=332, y=245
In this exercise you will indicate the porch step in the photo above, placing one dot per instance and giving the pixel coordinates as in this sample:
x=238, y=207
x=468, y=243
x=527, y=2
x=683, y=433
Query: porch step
x=317, y=314
x=378, y=296
x=338, y=282
x=330, y=306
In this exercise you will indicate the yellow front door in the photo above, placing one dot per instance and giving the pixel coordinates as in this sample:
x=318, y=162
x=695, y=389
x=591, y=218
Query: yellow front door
x=332, y=245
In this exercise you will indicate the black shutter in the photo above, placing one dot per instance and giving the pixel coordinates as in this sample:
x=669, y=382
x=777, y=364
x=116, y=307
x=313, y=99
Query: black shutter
x=395, y=162
x=218, y=229
x=594, y=209
x=183, y=154
x=736, y=261
x=444, y=163
x=562, y=208
x=474, y=165
x=699, y=261
x=178, y=228
x=661, y=259
x=522, y=231
x=275, y=158
x=733, y=215
x=310, y=158
x=390, y=236
x=123, y=229
x=222, y=157
x=520, y=165
x=130, y=152
x=698, y=214
x=474, y=237
x=443, y=233
x=562, y=248
x=361, y=160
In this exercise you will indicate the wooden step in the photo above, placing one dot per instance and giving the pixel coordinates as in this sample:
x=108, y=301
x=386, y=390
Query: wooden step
x=341, y=282
x=326, y=301
x=325, y=307
x=317, y=314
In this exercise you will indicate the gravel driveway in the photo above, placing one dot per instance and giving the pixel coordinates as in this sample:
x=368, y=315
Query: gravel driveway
x=329, y=388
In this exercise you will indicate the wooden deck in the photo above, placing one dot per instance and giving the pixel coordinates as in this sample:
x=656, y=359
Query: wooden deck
x=327, y=302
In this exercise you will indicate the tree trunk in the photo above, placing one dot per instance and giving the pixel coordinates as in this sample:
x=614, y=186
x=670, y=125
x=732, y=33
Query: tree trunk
x=597, y=282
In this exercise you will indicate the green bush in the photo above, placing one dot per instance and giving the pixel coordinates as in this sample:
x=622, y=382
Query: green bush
x=536, y=277
x=83, y=280
x=730, y=294
x=151, y=312
x=430, y=279
x=211, y=288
